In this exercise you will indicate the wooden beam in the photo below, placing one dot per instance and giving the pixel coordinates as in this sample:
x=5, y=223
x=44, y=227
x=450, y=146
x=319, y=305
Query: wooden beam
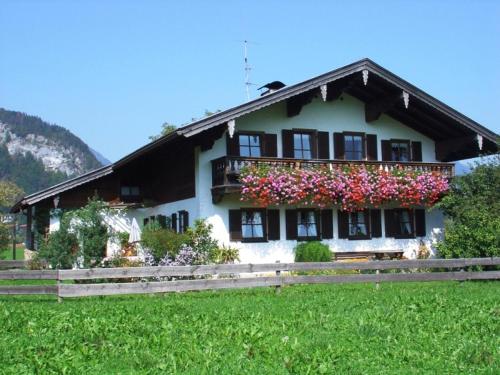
x=29, y=224
x=295, y=103
x=422, y=127
x=457, y=148
x=374, y=109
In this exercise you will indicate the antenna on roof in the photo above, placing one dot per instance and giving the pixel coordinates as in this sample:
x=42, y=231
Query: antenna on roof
x=247, y=70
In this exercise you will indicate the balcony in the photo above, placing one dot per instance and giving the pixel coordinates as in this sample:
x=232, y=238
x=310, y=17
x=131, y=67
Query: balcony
x=226, y=170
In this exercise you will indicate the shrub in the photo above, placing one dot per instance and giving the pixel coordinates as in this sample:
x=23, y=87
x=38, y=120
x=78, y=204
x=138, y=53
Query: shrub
x=472, y=207
x=119, y=261
x=224, y=255
x=200, y=239
x=36, y=263
x=162, y=242
x=60, y=249
x=92, y=233
x=312, y=252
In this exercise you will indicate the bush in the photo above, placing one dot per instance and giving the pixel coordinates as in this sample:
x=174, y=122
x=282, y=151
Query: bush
x=200, y=239
x=60, y=249
x=476, y=238
x=312, y=252
x=472, y=207
x=225, y=255
x=91, y=231
x=162, y=242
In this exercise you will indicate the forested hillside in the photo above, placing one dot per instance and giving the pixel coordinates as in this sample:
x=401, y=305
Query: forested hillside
x=35, y=154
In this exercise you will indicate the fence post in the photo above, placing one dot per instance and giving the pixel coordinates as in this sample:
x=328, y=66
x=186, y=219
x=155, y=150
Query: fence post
x=278, y=274
x=377, y=283
x=59, y=298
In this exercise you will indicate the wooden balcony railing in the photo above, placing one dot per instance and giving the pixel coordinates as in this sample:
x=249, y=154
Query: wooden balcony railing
x=226, y=170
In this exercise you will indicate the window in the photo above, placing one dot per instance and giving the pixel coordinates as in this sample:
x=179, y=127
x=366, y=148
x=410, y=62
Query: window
x=358, y=225
x=354, y=146
x=252, y=224
x=302, y=146
x=306, y=224
x=250, y=145
x=130, y=191
x=400, y=150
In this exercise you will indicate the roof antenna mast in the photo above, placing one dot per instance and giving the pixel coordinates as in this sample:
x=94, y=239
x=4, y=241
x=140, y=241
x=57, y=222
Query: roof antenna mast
x=247, y=70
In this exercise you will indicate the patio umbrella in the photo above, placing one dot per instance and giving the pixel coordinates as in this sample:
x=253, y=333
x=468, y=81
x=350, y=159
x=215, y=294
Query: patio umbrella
x=135, y=232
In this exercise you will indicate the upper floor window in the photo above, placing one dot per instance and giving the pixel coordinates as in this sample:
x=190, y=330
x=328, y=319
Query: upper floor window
x=400, y=150
x=250, y=145
x=130, y=191
x=302, y=145
x=354, y=146
x=307, y=226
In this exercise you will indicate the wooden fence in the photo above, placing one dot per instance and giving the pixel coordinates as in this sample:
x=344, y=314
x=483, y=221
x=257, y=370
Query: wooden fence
x=151, y=279
x=8, y=264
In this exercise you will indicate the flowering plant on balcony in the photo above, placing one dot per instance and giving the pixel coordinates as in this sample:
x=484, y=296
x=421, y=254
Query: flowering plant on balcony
x=352, y=187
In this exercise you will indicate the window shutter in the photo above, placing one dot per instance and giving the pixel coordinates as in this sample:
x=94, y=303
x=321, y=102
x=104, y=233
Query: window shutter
x=273, y=225
x=420, y=223
x=270, y=145
x=343, y=220
x=371, y=147
x=326, y=224
x=287, y=139
x=323, y=145
x=162, y=220
x=291, y=224
x=338, y=146
x=386, y=151
x=185, y=220
x=173, y=222
x=389, y=223
x=233, y=145
x=235, y=225
x=416, y=151
x=376, y=223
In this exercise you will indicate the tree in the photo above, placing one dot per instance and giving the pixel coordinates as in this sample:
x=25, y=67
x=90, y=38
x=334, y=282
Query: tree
x=168, y=128
x=472, y=209
x=9, y=193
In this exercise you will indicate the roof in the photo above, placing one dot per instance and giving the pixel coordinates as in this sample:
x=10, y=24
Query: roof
x=61, y=187
x=197, y=127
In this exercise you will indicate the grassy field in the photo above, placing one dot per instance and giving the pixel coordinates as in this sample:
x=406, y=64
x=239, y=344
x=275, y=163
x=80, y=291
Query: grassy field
x=403, y=328
x=6, y=254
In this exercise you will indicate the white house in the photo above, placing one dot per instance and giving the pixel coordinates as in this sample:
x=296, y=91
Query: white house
x=360, y=114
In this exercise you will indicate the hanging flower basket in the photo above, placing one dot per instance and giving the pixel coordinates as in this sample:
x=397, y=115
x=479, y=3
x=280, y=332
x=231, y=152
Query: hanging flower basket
x=351, y=187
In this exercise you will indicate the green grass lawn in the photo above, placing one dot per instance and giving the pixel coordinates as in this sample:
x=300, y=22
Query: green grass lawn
x=403, y=328
x=6, y=254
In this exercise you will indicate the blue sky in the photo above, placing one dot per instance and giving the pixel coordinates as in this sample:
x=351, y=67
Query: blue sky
x=113, y=71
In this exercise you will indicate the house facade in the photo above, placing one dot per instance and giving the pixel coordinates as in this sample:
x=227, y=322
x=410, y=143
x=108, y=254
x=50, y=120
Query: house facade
x=359, y=117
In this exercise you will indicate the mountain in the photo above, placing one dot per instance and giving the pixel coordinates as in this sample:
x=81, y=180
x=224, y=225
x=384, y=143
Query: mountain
x=35, y=154
x=101, y=158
